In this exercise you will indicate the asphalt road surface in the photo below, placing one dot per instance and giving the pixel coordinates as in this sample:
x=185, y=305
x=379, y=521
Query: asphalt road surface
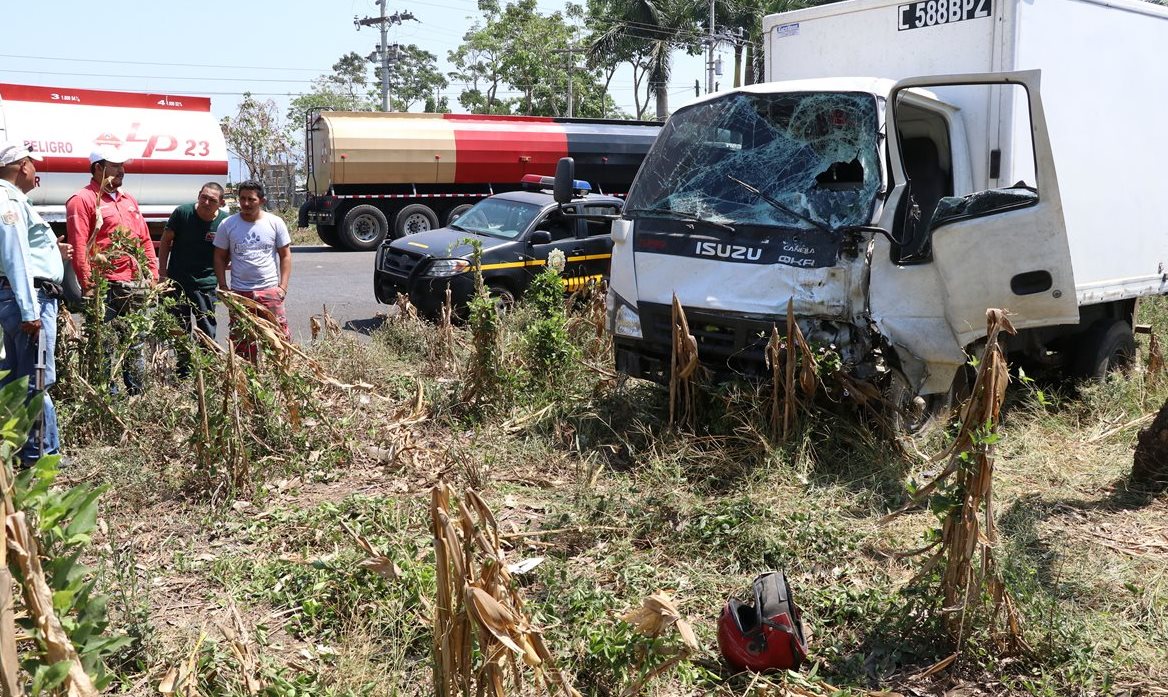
x=325, y=277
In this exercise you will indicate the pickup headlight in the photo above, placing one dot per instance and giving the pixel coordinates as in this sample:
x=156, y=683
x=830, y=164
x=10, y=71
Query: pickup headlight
x=447, y=267
x=626, y=321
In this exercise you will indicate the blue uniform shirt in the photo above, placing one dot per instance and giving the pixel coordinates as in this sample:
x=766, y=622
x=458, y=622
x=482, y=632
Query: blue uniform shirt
x=28, y=249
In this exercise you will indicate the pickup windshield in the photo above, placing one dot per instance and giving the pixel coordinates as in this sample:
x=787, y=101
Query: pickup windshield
x=497, y=217
x=802, y=160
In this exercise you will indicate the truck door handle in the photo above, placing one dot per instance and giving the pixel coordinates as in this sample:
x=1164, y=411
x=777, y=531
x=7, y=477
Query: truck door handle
x=578, y=251
x=1031, y=282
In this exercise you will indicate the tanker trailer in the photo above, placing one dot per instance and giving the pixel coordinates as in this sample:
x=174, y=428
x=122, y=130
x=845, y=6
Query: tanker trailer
x=175, y=142
x=373, y=174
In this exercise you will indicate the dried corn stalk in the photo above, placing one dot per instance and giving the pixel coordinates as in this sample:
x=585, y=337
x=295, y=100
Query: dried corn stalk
x=656, y=616
x=683, y=363
x=1155, y=359
x=479, y=606
x=968, y=532
x=794, y=371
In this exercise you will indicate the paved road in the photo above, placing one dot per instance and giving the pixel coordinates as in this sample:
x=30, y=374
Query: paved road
x=323, y=276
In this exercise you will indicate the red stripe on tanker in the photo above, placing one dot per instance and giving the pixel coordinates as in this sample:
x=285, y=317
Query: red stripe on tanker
x=72, y=96
x=505, y=151
x=210, y=168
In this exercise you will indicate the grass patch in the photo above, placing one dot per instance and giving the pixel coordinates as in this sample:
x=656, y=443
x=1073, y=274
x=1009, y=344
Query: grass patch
x=583, y=471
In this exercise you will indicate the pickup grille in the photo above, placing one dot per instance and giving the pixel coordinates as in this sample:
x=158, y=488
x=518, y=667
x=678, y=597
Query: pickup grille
x=400, y=263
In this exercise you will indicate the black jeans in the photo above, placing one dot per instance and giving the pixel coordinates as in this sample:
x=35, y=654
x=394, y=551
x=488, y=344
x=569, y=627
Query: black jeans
x=122, y=299
x=194, y=307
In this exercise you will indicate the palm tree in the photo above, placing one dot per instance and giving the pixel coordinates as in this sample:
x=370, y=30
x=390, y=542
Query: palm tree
x=652, y=29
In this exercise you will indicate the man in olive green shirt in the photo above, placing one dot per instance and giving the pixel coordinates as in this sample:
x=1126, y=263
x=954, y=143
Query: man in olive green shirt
x=185, y=256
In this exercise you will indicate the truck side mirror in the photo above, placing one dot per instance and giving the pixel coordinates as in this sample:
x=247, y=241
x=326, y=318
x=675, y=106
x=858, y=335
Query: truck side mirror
x=540, y=237
x=565, y=175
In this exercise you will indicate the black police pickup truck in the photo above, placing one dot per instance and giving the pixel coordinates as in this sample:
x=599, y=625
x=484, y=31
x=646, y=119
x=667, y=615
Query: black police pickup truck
x=517, y=231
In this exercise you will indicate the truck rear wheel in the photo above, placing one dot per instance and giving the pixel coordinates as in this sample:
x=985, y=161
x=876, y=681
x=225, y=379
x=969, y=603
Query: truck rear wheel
x=328, y=235
x=364, y=228
x=414, y=218
x=1107, y=346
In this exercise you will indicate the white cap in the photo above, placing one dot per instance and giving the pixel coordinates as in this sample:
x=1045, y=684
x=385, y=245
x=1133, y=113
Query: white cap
x=15, y=152
x=108, y=154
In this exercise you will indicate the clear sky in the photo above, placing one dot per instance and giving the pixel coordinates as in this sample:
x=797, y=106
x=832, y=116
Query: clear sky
x=268, y=47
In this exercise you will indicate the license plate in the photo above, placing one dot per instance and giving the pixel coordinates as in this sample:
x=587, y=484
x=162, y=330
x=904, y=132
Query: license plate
x=931, y=13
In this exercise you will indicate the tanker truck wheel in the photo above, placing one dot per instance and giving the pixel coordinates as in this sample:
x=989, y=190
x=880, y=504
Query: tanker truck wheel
x=328, y=234
x=1150, y=468
x=364, y=228
x=414, y=218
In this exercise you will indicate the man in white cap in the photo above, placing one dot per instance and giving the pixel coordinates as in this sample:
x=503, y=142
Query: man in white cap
x=93, y=214
x=32, y=267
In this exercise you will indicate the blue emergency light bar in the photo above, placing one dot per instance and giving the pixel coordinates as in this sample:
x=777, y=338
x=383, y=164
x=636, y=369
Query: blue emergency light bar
x=543, y=182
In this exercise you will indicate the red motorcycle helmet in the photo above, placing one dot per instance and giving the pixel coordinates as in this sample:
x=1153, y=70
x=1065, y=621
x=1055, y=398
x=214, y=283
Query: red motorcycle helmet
x=766, y=635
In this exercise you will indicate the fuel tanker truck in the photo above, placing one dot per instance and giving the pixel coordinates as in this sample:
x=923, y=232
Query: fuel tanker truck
x=373, y=174
x=175, y=143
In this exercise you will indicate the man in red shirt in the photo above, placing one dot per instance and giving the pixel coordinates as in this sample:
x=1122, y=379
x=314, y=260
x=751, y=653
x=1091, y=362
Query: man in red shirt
x=93, y=215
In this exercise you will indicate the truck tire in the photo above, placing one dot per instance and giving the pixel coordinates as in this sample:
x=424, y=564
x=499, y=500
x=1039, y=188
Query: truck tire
x=328, y=235
x=414, y=218
x=1109, y=345
x=364, y=228
x=457, y=212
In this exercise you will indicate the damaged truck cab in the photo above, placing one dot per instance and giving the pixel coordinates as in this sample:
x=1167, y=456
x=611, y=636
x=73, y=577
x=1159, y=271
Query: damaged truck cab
x=889, y=214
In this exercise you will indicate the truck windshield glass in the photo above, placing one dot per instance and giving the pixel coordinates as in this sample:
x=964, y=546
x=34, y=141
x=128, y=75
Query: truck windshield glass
x=813, y=154
x=496, y=217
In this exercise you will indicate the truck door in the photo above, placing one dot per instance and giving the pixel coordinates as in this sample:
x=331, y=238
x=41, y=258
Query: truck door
x=595, y=237
x=1002, y=248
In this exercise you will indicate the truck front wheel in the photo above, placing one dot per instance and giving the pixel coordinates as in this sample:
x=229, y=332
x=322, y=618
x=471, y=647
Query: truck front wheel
x=414, y=218
x=364, y=228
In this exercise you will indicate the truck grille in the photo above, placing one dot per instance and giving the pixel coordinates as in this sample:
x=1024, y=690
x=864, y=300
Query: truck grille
x=400, y=263
x=716, y=333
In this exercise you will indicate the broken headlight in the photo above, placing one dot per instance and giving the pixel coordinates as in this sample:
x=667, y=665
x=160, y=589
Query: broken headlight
x=623, y=320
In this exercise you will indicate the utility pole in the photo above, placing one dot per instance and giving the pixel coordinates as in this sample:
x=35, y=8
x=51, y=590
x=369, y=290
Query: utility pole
x=383, y=22
x=710, y=53
x=571, y=52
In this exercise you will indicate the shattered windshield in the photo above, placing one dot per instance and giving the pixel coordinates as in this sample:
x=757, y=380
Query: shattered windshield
x=805, y=160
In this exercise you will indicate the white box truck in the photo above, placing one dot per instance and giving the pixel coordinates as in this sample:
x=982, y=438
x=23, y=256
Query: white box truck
x=892, y=209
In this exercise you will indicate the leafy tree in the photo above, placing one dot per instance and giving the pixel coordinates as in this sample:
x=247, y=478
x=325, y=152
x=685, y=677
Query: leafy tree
x=478, y=62
x=346, y=88
x=414, y=79
x=607, y=54
x=517, y=48
x=257, y=137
